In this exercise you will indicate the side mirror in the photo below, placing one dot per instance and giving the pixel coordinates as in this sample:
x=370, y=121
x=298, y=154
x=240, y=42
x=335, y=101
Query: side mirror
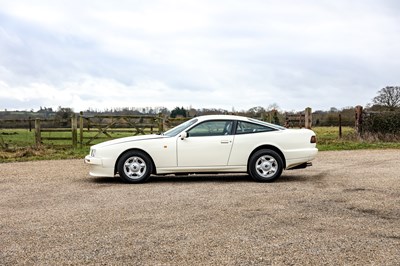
x=183, y=135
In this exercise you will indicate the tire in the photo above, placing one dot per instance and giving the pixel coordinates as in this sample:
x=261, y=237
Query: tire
x=265, y=166
x=134, y=167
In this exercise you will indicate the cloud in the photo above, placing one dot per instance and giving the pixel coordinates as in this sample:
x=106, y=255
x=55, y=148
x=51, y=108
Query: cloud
x=220, y=54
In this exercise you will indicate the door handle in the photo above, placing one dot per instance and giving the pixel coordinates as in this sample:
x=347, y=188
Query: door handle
x=225, y=141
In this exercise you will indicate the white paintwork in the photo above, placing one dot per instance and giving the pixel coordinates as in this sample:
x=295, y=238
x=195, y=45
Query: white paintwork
x=195, y=151
x=228, y=153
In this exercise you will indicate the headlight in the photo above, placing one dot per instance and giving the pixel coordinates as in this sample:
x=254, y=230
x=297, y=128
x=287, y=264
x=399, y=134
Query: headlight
x=92, y=152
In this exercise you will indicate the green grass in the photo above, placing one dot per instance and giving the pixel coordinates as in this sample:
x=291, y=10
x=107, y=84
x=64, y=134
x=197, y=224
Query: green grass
x=19, y=144
x=328, y=140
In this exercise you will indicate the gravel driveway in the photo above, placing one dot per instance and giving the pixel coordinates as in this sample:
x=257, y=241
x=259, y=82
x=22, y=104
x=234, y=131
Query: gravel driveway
x=343, y=210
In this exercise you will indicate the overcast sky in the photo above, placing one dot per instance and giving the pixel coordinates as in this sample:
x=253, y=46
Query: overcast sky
x=200, y=53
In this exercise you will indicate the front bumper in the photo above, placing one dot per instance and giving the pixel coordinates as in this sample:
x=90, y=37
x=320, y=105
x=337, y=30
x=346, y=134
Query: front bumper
x=94, y=161
x=97, y=168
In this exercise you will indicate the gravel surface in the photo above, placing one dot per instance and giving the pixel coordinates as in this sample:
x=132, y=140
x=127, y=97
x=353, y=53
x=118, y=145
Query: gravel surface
x=344, y=210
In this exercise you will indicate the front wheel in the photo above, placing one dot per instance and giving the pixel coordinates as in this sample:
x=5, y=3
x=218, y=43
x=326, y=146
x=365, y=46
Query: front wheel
x=134, y=167
x=265, y=166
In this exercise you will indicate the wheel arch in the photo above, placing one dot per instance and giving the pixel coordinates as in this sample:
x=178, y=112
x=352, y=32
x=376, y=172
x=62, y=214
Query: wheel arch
x=154, y=170
x=267, y=147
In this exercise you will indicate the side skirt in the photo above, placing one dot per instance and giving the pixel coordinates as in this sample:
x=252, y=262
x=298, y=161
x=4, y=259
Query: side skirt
x=203, y=170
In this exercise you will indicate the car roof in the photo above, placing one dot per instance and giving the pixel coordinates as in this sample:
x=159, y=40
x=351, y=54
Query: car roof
x=224, y=117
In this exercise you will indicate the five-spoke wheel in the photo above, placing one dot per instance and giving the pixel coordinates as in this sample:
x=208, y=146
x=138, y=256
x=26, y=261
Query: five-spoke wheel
x=134, y=167
x=265, y=165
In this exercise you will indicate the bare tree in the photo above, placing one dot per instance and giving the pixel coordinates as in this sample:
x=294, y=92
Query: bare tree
x=257, y=110
x=388, y=97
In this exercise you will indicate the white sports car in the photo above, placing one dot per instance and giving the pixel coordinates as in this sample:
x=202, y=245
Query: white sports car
x=206, y=144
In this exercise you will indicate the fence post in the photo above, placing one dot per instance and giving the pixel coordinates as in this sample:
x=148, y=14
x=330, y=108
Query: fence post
x=308, y=117
x=81, y=128
x=359, y=119
x=38, y=136
x=30, y=124
x=2, y=143
x=160, y=123
x=340, y=126
x=74, y=128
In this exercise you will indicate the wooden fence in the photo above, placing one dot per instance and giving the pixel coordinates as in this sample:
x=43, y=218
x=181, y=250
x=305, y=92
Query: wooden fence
x=104, y=125
x=39, y=129
x=85, y=129
x=302, y=119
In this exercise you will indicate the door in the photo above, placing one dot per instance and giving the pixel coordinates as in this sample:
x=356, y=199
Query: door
x=207, y=144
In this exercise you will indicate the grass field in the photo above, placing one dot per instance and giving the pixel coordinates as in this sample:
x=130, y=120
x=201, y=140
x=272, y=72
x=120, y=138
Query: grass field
x=19, y=144
x=328, y=140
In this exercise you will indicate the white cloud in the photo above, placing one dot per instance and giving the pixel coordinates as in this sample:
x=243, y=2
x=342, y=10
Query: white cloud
x=220, y=54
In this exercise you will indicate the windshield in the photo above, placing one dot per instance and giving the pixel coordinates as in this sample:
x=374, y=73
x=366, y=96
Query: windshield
x=178, y=129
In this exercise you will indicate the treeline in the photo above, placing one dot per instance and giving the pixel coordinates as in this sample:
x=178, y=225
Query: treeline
x=334, y=116
x=387, y=100
x=271, y=114
x=275, y=115
x=382, y=124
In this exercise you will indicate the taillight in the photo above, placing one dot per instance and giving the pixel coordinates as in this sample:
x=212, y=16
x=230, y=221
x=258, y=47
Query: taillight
x=313, y=139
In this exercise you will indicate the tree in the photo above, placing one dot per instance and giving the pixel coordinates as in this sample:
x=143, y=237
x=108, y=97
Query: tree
x=333, y=110
x=273, y=106
x=64, y=112
x=257, y=110
x=178, y=112
x=275, y=117
x=388, y=97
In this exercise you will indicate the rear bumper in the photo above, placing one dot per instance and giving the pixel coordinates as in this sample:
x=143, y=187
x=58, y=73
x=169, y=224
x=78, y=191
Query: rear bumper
x=303, y=161
x=301, y=166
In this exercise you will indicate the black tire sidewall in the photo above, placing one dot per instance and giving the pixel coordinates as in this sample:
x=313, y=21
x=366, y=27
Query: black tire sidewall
x=252, y=162
x=127, y=155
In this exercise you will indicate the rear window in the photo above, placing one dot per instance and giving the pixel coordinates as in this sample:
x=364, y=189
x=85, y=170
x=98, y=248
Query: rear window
x=249, y=128
x=268, y=124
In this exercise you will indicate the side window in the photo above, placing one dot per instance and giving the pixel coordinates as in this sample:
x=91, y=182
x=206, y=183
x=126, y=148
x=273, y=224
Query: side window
x=212, y=128
x=248, y=128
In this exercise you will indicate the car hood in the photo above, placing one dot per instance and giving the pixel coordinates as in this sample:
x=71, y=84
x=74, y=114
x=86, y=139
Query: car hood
x=128, y=139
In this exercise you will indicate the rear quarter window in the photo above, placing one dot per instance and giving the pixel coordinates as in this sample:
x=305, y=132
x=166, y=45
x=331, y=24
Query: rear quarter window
x=250, y=128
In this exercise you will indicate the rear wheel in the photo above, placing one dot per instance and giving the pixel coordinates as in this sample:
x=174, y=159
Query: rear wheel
x=265, y=165
x=134, y=167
